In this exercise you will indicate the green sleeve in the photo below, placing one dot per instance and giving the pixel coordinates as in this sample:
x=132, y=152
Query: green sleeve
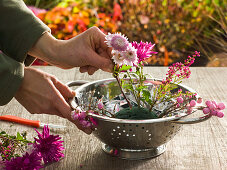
x=11, y=76
x=19, y=29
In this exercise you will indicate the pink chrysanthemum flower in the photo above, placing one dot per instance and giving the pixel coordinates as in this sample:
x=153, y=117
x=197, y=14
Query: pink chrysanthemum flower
x=143, y=50
x=27, y=162
x=130, y=56
x=48, y=146
x=117, y=41
x=117, y=57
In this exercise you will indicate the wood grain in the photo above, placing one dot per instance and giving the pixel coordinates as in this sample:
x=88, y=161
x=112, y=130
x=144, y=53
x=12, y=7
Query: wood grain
x=200, y=146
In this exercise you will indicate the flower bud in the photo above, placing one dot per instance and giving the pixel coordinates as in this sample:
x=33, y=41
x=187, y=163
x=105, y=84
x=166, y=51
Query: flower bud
x=100, y=105
x=83, y=115
x=220, y=114
x=180, y=100
x=206, y=110
x=208, y=103
x=199, y=100
x=221, y=106
x=192, y=103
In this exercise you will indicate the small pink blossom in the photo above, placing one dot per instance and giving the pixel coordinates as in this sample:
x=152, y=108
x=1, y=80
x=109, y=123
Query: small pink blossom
x=206, y=110
x=83, y=115
x=180, y=100
x=84, y=123
x=208, y=103
x=221, y=106
x=100, y=105
x=220, y=114
x=192, y=103
x=211, y=106
x=200, y=100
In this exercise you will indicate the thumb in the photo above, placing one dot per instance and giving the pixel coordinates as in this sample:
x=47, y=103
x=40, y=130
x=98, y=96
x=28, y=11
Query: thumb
x=63, y=89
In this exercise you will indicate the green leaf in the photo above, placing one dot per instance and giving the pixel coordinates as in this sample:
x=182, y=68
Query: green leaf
x=140, y=88
x=217, y=2
x=146, y=94
x=125, y=68
x=164, y=3
x=19, y=137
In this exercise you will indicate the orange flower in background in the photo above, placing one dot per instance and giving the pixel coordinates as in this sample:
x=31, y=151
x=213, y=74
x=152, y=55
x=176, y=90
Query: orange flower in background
x=72, y=18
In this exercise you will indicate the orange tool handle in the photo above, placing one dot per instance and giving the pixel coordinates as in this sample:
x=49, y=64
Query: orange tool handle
x=10, y=118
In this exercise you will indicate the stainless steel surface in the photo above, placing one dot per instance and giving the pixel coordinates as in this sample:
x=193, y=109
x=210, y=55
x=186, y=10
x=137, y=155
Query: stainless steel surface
x=130, y=136
x=134, y=154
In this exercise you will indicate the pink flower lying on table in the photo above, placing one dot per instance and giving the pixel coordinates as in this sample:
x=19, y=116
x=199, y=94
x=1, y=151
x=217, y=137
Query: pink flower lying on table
x=48, y=146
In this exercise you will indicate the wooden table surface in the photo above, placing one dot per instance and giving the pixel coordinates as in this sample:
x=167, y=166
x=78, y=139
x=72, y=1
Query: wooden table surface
x=199, y=146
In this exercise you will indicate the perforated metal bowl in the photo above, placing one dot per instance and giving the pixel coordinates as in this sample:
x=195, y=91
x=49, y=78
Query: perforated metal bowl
x=130, y=139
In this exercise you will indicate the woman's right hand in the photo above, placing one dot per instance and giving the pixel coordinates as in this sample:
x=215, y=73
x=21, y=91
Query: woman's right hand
x=41, y=92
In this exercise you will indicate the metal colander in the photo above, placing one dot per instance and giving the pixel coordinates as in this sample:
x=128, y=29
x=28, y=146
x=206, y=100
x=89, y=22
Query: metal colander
x=130, y=139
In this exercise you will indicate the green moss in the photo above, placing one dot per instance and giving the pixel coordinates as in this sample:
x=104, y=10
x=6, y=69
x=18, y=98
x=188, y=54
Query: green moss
x=135, y=113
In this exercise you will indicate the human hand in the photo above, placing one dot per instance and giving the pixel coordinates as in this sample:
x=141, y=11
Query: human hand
x=43, y=93
x=87, y=51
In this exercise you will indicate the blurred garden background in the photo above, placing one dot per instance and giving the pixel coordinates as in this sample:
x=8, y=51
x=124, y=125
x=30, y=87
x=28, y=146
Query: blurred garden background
x=177, y=27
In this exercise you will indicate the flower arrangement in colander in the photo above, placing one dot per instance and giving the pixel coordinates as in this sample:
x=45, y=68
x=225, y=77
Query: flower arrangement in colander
x=142, y=102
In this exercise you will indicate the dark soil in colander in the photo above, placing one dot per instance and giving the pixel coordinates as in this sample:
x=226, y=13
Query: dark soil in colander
x=135, y=113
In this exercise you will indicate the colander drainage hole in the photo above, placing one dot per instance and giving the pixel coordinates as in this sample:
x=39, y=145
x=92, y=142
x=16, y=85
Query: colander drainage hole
x=147, y=131
x=127, y=134
x=149, y=134
x=142, y=127
x=149, y=139
x=137, y=125
x=118, y=137
x=124, y=131
x=114, y=130
x=119, y=133
x=133, y=135
x=118, y=127
x=111, y=133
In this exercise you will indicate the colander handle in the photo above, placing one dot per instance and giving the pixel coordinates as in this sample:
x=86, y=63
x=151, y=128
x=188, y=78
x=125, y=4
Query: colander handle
x=74, y=103
x=192, y=120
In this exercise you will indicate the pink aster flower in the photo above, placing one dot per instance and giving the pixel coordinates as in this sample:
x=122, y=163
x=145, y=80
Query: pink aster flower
x=130, y=56
x=143, y=50
x=28, y=161
x=117, y=41
x=48, y=146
